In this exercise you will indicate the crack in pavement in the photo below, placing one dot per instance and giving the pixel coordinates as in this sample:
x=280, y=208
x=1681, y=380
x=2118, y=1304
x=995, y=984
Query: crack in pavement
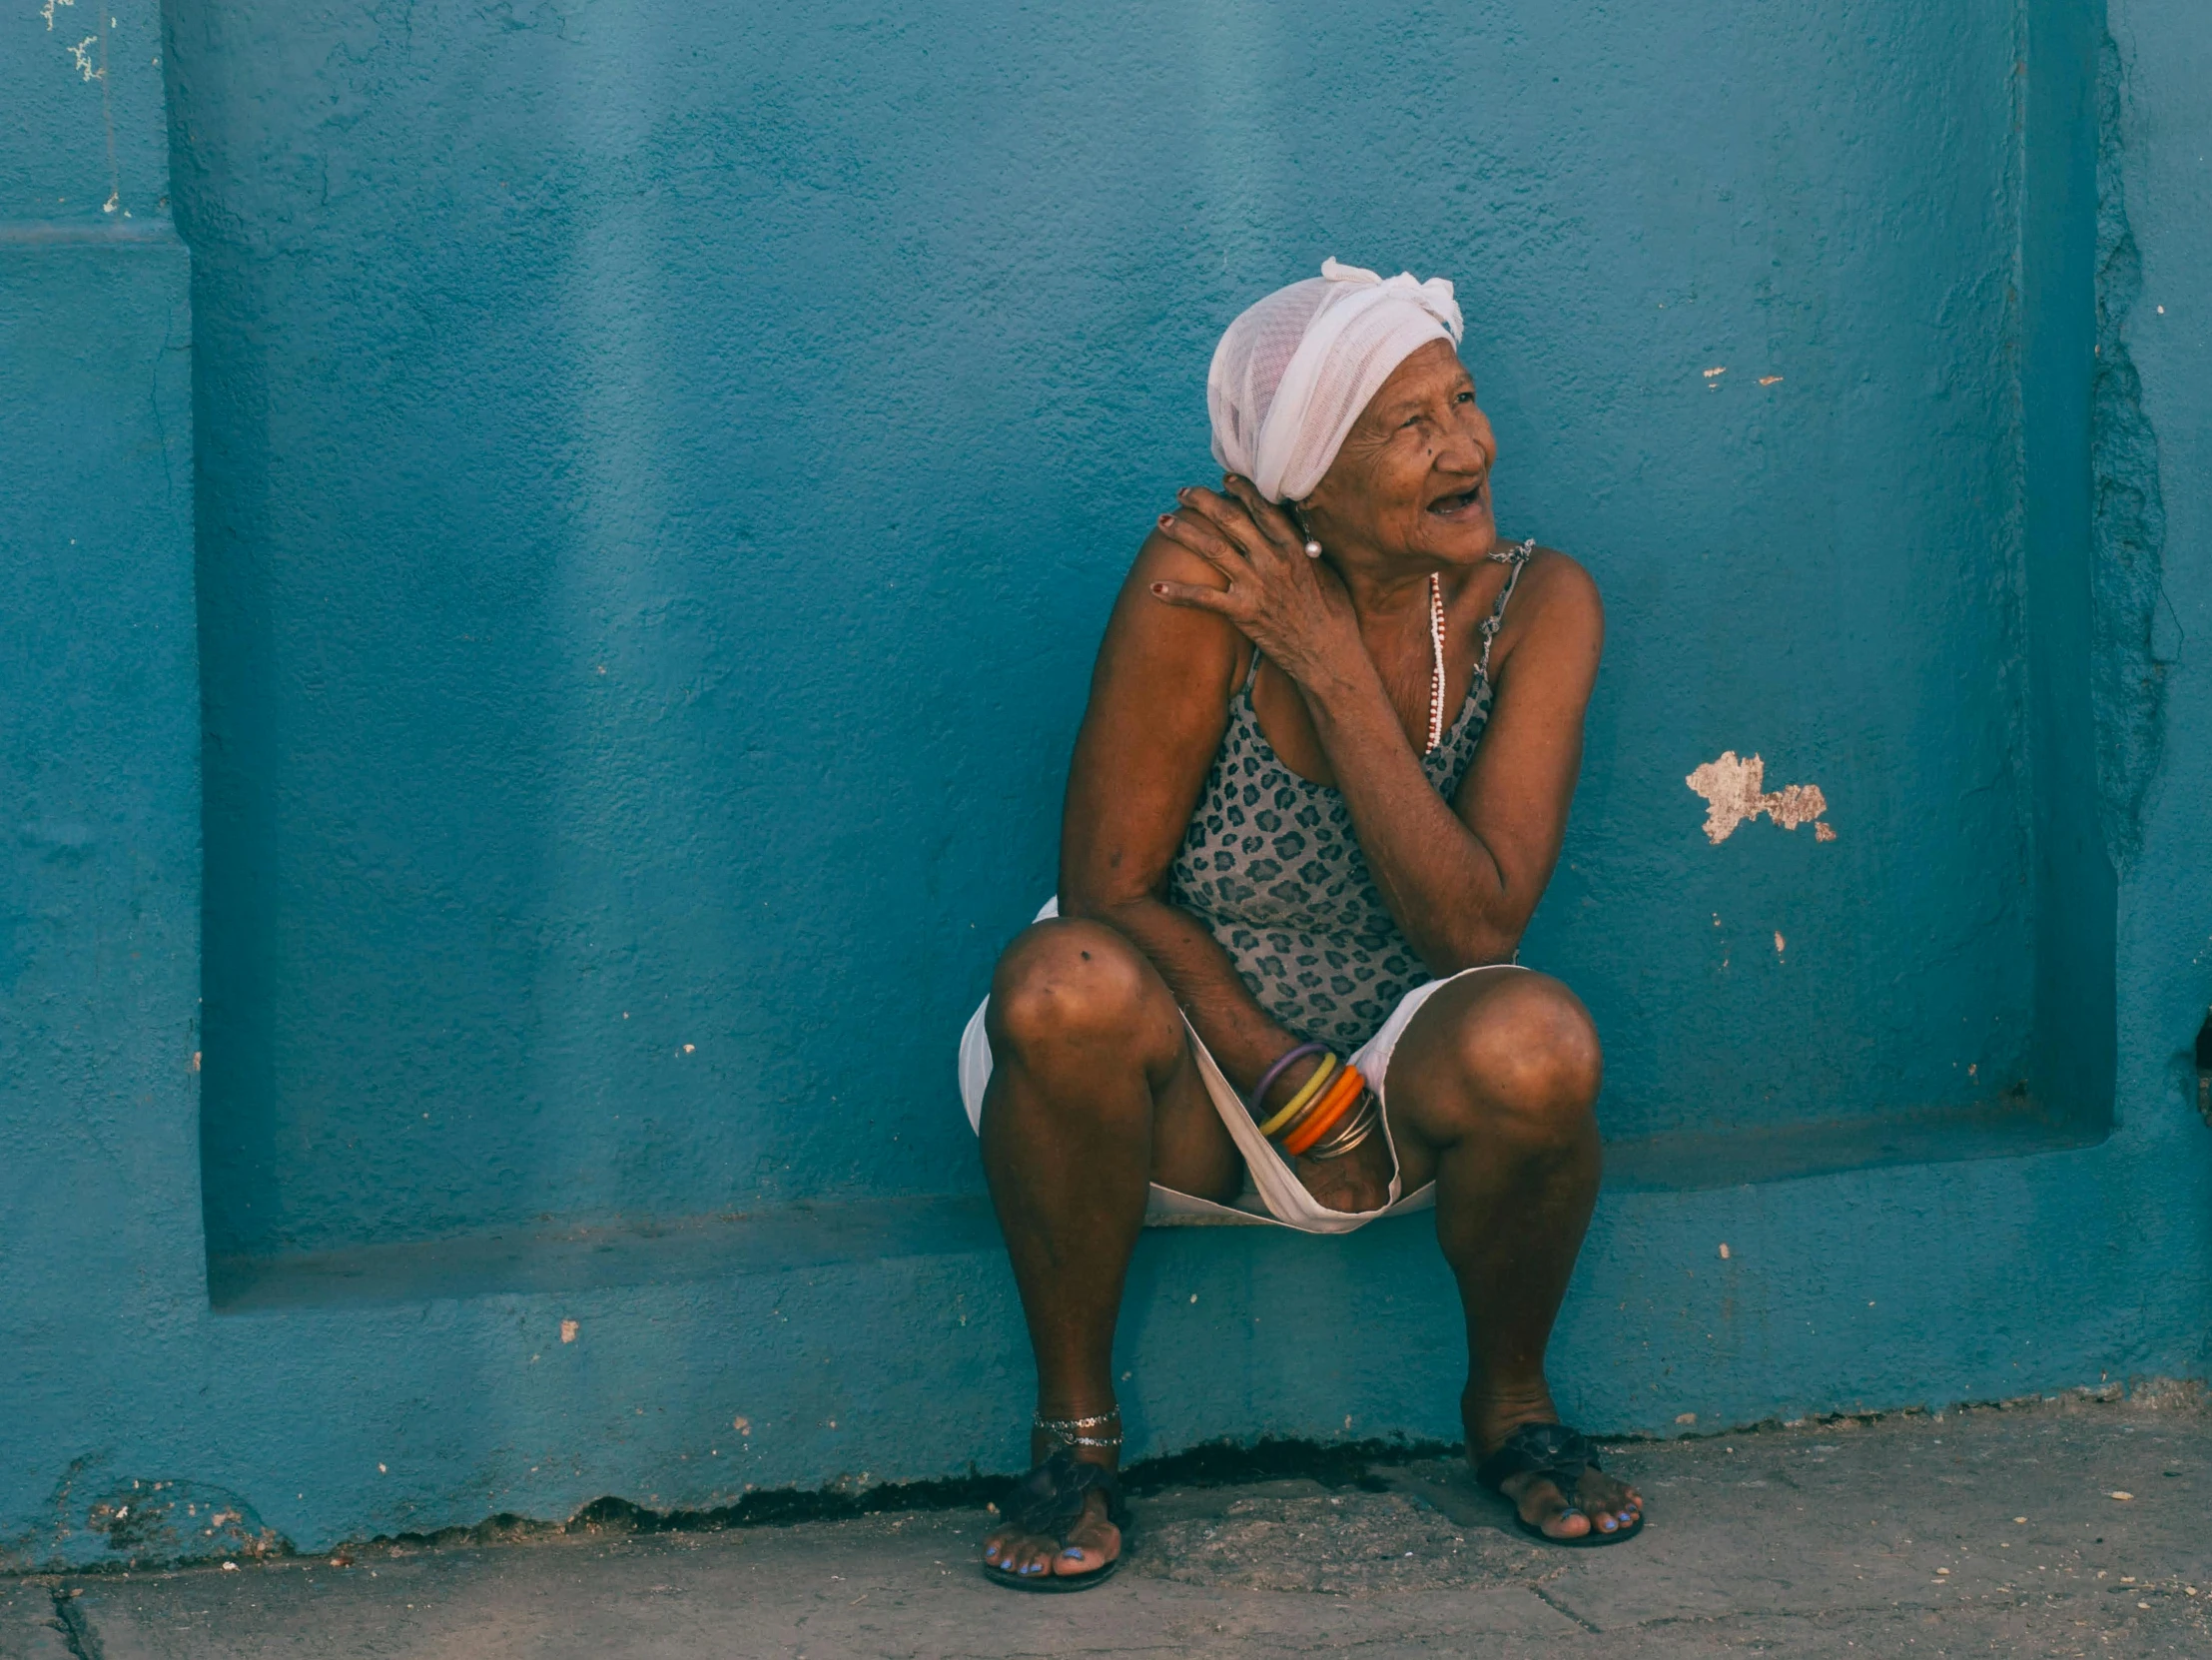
x=78, y=1636
x=1553, y=1603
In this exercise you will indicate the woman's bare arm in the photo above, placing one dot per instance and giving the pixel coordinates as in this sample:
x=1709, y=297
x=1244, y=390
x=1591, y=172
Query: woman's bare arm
x=1462, y=879
x=1159, y=700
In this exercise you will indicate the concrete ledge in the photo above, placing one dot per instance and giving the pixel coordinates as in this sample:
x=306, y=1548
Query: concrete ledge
x=682, y=1250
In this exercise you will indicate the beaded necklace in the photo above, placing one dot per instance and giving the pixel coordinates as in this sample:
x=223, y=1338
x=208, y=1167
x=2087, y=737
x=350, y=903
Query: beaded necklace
x=1436, y=658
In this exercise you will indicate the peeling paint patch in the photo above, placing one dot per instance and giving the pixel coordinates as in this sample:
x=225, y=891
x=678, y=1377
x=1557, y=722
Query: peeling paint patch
x=568, y=1332
x=168, y=1521
x=1733, y=794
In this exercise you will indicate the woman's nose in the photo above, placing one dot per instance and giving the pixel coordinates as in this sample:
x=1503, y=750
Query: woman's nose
x=1465, y=449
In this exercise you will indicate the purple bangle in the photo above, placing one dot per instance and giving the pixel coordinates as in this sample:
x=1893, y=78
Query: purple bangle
x=1257, y=1105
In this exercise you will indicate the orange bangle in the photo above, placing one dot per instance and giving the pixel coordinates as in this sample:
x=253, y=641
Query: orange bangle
x=1287, y=1125
x=1338, y=1102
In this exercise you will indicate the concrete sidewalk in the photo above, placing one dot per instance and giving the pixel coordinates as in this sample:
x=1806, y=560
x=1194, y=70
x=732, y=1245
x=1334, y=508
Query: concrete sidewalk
x=2068, y=1527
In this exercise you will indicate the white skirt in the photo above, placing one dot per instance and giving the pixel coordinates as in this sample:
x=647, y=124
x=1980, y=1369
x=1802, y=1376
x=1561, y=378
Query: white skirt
x=1272, y=1191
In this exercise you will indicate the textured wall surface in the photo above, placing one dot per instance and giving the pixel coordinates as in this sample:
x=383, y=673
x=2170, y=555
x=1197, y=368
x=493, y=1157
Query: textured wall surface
x=102, y=1260
x=662, y=479
x=656, y=482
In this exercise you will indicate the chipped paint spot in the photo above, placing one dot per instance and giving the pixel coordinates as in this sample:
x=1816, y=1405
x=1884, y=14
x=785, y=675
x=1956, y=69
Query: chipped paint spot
x=1823, y=832
x=1714, y=373
x=1777, y=942
x=1769, y=380
x=85, y=66
x=568, y=1332
x=744, y=1426
x=1724, y=1250
x=1733, y=794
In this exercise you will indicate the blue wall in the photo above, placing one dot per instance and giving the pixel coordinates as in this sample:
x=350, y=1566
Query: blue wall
x=662, y=480
x=653, y=485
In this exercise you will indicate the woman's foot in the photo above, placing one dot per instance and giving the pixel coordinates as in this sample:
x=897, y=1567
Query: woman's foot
x=1089, y=1546
x=1599, y=1503
x=1060, y=1519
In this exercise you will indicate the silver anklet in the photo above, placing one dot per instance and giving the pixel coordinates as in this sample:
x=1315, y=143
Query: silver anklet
x=1068, y=1430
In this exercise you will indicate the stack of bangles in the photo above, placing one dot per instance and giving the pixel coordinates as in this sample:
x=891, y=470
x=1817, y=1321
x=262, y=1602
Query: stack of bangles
x=1332, y=1113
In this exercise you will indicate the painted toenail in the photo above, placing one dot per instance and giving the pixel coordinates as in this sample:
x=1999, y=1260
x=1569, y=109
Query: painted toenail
x=1073, y=1553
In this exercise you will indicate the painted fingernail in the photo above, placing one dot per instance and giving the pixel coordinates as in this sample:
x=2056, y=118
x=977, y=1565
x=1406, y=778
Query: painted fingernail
x=1160, y=589
x=1166, y=520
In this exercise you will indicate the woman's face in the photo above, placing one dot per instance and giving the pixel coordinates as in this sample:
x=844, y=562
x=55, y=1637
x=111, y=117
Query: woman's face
x=1414, y=478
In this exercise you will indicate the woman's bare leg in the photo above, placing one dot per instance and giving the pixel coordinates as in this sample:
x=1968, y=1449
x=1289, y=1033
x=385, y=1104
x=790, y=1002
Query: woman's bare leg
x=1492, y=1092
x=1093, y=1095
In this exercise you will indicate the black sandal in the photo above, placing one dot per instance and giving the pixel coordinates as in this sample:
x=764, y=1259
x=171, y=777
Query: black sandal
x=1049, y=1500
x=1560, y=1455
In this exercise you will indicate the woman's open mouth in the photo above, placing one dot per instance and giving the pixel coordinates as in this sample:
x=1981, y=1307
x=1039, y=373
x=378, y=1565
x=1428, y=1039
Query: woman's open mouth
x=1466, y=504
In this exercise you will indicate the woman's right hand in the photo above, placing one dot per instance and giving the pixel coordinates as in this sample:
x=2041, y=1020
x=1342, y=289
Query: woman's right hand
x=1292, y=606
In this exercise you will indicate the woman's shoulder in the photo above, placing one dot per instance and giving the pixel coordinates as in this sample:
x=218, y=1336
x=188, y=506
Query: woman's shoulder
x=1557, y=581
x=1555, y=603
x=1164, y=560
x=1176, y=646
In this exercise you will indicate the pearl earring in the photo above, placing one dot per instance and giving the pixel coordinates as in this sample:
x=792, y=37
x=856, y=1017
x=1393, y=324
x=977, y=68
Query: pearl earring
x=1312, y=548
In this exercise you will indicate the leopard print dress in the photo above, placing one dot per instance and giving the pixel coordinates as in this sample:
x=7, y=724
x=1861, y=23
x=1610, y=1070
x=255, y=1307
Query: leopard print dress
x=1271, y=865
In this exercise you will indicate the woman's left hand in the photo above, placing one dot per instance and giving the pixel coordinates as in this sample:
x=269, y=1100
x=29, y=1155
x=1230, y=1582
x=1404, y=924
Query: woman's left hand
x=1291, y=605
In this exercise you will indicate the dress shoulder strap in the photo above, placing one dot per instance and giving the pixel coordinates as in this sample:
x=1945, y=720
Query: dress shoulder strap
x=1251, y=675
x=1517, y=558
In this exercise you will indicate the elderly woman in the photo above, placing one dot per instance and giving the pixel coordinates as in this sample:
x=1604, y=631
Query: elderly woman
x=1321, y=783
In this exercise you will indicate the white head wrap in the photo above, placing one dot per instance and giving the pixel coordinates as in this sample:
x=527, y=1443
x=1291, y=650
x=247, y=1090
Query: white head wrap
x=1294, y=370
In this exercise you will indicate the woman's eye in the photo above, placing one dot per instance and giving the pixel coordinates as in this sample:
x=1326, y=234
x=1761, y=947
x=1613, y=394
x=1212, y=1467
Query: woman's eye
x=1467, y=397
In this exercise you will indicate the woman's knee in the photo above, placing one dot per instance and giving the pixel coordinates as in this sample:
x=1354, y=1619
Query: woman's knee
x=1071, y=985
x=1530, y=1060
